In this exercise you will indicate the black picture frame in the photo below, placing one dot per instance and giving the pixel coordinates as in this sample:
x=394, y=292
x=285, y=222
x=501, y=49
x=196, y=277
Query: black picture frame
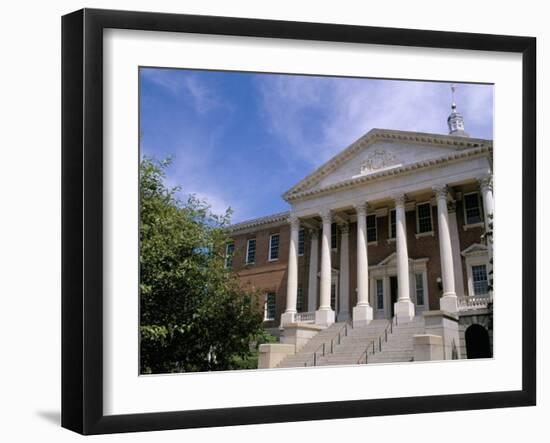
x=82, y=217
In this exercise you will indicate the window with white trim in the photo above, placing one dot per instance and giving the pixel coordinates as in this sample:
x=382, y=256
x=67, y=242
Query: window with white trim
x=300, y=299
x=273, y=247
x=269, y=307
x=334, y=236
x=371, y=228
x=419, y=287
x=392, y=223
x=424, y=218
x=250, y=250
x=229, y=251
x=479, y=279
x=380, y=294
x=472, y=208
x=301, y=241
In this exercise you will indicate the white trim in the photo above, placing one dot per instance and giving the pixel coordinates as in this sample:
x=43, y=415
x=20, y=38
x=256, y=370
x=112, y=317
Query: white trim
x=474, y=255
x=247, y=250
x=259, y=223
x=225, y=264
x=473, y=225
x=425, y=234
x=389, y=224
x=431, y=231
x=423, y=304
x=375, y=292
x=266, y=318
x=375, y=228
x=480, y=205
x=269, y=258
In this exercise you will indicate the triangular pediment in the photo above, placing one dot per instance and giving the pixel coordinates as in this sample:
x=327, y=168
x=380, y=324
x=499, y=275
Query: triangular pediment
x=474, y=249
x=382, y=153
x=391, y=260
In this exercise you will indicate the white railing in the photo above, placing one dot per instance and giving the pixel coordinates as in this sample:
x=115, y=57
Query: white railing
x=305, y=317
x=473, y=302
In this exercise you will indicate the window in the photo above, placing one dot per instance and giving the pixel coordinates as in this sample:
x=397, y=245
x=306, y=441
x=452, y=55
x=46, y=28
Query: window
x=301, y=241
x=251, y=250
x=424, y=218
x=269, y=308
x=300, y=300
x=229, y=251
x=371, y=228
x=380, y=294
x=392, y=223
x=273, y=247
x=472, y=208
x=333, y=236
x=479, y=277
x=419, y=279
x=333, y=297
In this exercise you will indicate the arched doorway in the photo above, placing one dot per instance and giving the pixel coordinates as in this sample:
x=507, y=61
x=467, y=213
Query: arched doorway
x=477, y=342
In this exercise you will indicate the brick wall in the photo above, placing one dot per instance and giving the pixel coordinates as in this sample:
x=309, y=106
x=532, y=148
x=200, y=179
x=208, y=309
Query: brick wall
x=272, y=276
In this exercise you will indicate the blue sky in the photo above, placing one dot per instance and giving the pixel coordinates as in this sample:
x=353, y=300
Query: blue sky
x=240, y=140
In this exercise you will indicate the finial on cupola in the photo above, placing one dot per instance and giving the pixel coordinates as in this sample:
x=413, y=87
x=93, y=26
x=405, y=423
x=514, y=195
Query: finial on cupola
x=455, y=119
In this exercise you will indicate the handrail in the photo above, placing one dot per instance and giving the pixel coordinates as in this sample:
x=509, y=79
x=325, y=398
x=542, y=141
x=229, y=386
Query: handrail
x=322, y=346
x=372, y=344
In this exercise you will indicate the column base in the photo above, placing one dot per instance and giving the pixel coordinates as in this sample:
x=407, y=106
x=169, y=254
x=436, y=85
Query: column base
x=404, y=311
x=362, y=315
x=287, y=317
x=449, y=303
x=324, y=317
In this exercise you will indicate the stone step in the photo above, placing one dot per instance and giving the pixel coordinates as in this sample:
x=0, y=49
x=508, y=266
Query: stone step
x=397, y=348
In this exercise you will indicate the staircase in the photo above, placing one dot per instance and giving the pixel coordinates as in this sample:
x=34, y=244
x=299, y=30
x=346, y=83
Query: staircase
x=305, y=356
x=350, y=349
x=399, y=347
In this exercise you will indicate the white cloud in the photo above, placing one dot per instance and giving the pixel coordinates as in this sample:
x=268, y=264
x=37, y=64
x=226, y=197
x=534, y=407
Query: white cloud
x=315, y=118
x=182, y=82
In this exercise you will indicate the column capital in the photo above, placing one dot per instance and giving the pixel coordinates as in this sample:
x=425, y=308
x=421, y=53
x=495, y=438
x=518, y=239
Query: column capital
x=326, y=215
x=344, y=228
x=313, y=233
x=294, y=221
x=440, y=191
x=399, y=199
x=486, y=183
x=361, y=208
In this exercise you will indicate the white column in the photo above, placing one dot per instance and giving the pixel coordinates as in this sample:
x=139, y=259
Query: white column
x=455, y=245
x=486, y=186
x=292, y=273
x=343, y=306
x=325, y=315
x=448, y=301
x=313, y=270
x=362, y=312
x=404, y=308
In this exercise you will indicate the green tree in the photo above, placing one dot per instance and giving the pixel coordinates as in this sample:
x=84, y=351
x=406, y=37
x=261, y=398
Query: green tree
x=193, y=314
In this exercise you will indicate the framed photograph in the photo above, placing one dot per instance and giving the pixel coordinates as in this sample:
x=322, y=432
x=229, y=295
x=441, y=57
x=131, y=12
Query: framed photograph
x=268, y=221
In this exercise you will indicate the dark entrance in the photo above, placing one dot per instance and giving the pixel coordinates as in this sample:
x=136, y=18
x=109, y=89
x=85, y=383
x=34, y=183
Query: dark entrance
x=477, y=342
x=393, y=294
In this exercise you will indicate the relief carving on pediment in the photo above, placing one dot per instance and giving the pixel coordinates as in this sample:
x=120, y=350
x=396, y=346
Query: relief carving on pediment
x=378, y=159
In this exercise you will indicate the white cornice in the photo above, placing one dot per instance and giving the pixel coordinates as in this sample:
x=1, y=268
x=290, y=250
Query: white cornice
x=458, y=144
x=280, y=218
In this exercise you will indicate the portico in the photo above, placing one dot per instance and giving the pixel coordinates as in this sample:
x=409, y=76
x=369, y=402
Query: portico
x=384, y=176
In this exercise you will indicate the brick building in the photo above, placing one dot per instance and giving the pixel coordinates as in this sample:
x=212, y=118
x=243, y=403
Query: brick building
x=392, y=228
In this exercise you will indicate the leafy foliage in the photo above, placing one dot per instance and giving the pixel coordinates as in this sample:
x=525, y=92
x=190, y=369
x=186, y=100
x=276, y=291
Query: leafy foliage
x=194, y=316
